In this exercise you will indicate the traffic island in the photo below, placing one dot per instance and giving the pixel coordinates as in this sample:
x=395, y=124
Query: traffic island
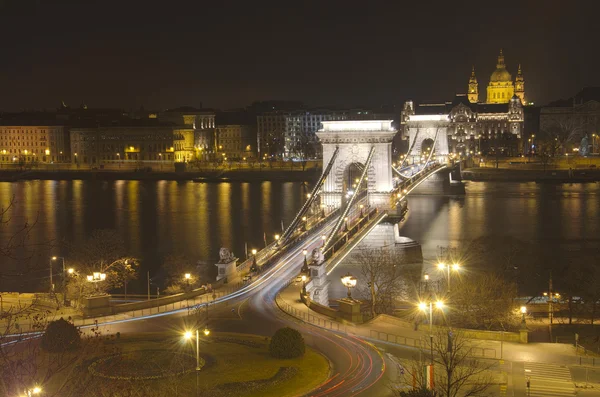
x=159, y=364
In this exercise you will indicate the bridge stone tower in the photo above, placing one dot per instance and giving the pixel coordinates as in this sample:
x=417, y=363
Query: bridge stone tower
x=355, y=138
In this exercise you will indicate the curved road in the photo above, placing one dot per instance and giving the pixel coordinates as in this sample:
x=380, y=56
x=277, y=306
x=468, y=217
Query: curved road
x=357, y=368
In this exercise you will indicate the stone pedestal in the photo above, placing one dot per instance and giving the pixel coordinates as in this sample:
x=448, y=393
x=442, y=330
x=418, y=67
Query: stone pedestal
x=95, y=305
x=318, y=286
x=350, y=310
x=227, y=269
x=523, y=335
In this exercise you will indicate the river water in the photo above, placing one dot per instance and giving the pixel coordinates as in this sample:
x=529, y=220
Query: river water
x=157, y=218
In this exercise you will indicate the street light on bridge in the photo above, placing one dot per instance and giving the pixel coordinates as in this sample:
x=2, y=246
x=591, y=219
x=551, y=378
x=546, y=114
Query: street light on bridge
x=254, y=267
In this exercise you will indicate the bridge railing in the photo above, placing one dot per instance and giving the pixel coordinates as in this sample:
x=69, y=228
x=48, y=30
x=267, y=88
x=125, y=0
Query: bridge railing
x=349, y=232
x=402, y=188
x=272, y=252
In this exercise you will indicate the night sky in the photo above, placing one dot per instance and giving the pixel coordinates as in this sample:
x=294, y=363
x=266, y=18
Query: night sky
x=161, y=54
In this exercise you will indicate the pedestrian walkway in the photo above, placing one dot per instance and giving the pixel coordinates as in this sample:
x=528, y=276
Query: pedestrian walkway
x=548, y=380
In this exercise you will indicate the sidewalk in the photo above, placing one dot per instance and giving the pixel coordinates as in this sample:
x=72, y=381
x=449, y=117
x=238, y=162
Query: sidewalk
x=378, y=329
x=27, y=322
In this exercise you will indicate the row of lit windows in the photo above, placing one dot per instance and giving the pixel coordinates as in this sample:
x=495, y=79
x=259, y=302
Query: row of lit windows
x=25, y=151
x=3, y=131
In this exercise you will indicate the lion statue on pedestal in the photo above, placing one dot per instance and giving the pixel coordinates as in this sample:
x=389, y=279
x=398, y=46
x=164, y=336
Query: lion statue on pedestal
x=225, y=256
x=317, y=256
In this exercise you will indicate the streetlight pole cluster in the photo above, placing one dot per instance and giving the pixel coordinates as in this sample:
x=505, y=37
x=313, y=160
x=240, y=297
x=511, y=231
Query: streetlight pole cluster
x=443, y=266
x=188, y=335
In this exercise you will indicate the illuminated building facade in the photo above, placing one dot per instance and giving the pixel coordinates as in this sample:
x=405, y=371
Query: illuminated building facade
x=139, y=141
x=235, y=141
x=33, y=144
x=501, y=87
x=292, y=134
x=463, y=127
x=577, y=117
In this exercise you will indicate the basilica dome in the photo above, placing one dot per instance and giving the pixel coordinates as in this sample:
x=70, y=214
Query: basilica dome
x=501, y=74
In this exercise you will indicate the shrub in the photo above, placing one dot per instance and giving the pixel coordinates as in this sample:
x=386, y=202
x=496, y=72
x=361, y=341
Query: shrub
x=60, y=336
x=287, y=343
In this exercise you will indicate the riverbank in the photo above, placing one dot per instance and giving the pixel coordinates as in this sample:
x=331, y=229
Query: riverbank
x=238, y=175
x=530, y=175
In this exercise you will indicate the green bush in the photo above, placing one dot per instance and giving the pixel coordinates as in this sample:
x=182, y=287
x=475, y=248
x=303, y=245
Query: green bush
x=60, y=336
x=287, y=343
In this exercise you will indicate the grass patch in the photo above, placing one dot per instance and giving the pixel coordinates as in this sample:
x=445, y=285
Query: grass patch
x=234, y=365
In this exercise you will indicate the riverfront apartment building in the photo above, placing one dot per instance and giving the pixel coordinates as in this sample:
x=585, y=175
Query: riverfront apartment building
x=234, y=141
x=135, y=141
x=21, y=143
x=573, y=119
x=292, y=134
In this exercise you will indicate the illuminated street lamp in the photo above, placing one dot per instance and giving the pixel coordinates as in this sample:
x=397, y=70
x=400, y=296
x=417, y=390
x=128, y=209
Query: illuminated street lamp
x=276, y=237
x=423, y=307
x=523, y=312
x=96, y=277
x=350, y=282
x=31, y=392
x=455, y=267
x=305, y=265
x=188, y=335
x=303, y=284
x=254, y=266
x=323, y=237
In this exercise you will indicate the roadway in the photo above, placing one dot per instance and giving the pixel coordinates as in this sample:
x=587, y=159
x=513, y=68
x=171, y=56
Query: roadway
x=357, y=368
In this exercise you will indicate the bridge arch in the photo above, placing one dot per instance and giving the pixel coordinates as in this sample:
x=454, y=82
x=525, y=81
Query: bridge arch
x=426, y=146
x=355, y=139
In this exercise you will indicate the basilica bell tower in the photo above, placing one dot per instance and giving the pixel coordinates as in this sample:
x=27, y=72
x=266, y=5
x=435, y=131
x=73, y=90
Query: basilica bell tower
x=473, y=88
x=520, y=86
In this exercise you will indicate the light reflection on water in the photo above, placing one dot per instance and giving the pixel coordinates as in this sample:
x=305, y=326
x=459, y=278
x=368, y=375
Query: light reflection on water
x=155, y=218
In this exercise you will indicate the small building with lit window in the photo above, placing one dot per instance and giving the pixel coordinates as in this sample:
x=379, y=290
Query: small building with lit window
x=25, y=143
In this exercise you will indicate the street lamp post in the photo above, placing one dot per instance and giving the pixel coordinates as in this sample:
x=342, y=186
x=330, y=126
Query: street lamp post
x=350, y=282
x=443, y=266
x=95, y=278
x=64, y=277
x=305, y=264
x=189, y=335
x=423, y=306
x=523, y=312
x=254, y=260
x=303, y=284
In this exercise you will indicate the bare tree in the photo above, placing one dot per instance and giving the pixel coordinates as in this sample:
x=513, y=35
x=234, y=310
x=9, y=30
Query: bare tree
x=386, y=276
x=102, y=252
x=456, y=371
x=483, y=301
x=176, y=267
x=547, y=150
x=564, y=131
